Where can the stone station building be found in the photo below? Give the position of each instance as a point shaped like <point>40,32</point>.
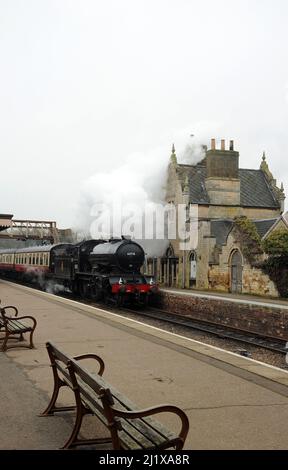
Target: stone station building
<point>222,191</point>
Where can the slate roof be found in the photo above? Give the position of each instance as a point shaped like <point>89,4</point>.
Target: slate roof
<point>5,220</point>
<point>254,188</point>
<point>221,228</point>
<point>264,225</point>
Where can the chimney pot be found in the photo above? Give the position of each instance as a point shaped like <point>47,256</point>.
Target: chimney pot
<point>213,144</point>
<point>231,145</point>
<point>223,144</point>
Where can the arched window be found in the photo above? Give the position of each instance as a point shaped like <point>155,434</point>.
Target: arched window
<point>170,252</point>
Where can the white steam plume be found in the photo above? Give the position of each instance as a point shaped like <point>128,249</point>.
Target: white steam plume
<point>139,181</point>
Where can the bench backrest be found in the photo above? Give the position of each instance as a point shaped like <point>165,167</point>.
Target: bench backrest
<point>56,355</point>
<point>59,361</point>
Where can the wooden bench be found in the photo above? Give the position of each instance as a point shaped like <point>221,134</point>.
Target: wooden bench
<point>129,428</point>
<point>13,328</point>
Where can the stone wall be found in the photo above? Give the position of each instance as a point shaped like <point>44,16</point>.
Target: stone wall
<point>223,192</point>
<point>254,280</point>
<point>253,318</point>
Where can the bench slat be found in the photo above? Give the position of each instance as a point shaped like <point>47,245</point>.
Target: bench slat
<point>16,325</point>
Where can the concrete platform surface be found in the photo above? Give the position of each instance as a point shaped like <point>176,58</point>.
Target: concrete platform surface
<point>232,402</point>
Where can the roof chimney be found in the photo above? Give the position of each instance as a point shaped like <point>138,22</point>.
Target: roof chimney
<point>224,162</point>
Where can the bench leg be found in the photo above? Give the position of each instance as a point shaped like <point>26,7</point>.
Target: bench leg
<point>31,340</point>
<point>51,408</point>
<point>72,441</point>
<point>21,337</point>
<point>4,345</point>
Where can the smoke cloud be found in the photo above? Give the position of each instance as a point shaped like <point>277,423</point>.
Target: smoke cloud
<point>138,186</point>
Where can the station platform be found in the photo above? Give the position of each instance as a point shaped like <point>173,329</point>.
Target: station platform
<point>229,297</point>
<point>232,402</point>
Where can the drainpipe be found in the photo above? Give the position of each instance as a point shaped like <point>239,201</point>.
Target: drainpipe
<point>183,270</point>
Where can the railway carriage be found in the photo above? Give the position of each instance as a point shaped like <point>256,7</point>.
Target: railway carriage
<point>29,263</point>
<point>97,269</point>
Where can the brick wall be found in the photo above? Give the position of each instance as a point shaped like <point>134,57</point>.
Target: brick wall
<point>256,319</point>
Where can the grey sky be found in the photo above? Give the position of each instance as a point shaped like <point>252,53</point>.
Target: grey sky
<point>84,84</point>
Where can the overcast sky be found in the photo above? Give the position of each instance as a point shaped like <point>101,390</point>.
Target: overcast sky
<point>84,84</point>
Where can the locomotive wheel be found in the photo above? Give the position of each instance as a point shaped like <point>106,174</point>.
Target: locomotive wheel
<point>75,288</point>
<point>96,293</point>
<point>119,300</point>
<point>84,290</point>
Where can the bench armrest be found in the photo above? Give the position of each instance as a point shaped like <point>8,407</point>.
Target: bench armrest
<point>10,307</point>
<point>92,356</point>
<point>155,410</point>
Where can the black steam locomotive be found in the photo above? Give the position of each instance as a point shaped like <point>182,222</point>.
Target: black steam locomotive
<point>97,269</point>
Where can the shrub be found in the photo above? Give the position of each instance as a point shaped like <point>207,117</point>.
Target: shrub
<point>277,243</point>
<point>248,237</point>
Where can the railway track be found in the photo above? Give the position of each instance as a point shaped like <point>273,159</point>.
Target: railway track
<point>270,343</point>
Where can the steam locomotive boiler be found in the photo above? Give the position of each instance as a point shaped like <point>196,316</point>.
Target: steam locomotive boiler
<point>116,272</point>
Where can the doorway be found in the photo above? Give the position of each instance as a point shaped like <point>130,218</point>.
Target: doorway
<point>236,272</point>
